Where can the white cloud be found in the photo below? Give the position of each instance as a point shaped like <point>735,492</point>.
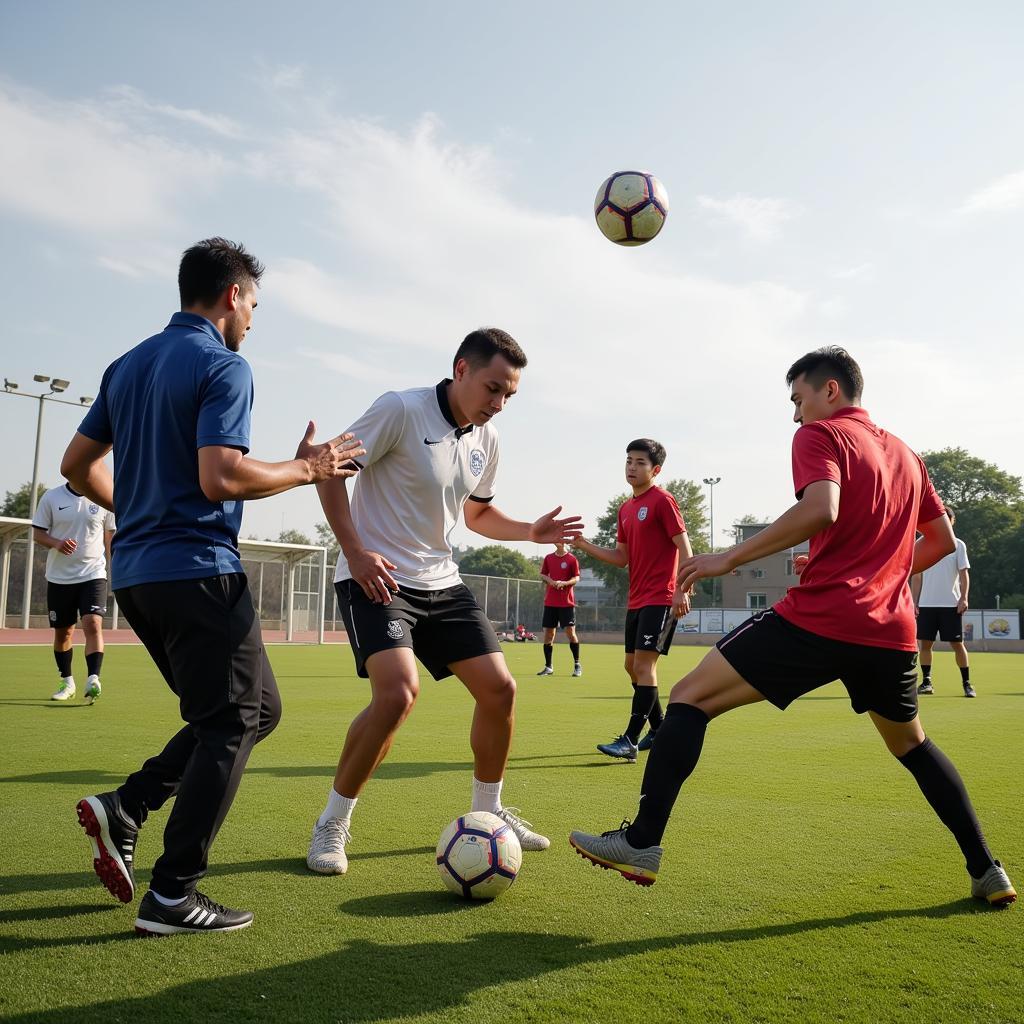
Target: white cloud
<point>760,217</point>
<point>1003,195</point>
<point>860,272</point>
<point>82,166</point>
<point>130,102</point>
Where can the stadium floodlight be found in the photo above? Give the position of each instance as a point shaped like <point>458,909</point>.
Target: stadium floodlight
<point>85,399</point>
<point>40,378</point>
<point>711,481</point>
<point>57,384</point>
<point>10,385</point>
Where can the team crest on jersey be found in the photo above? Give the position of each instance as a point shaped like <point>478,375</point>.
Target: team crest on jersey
<point>642,514</point>
<point>564,565</point>
<point>477,461</point>
<point>394,630</point>
<point>93,509</point>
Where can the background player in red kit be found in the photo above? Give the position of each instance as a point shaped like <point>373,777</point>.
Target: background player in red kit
<point>560,570</point>
<point>651,533</point>
<point>862,497</point>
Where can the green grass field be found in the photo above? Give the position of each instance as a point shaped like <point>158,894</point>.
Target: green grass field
<point>805,877</point>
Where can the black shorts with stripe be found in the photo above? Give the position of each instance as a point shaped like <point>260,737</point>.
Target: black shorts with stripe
<point>782,662</point>
<point>441,626</point>
<point>947,622</point>
<point>558,618</point>
<point>65,602</point>
<point>646,629</point>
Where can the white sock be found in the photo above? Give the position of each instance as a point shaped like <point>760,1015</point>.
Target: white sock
<point>165,901</point>
<point>486,796</point>
<point>338,806</point>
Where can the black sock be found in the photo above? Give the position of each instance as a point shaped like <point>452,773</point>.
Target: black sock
<point>643,698</point>
<point>94,662</point>
<point>656,716</point>
<point>944,790</point>
<point>965,674</point>
<point>575,648</point>
<point>63,659</point>
<point>926,672</point>
<point>669,765</point>
<point>548,651</point>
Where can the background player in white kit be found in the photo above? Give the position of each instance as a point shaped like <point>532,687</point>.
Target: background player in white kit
<point>77,532</point>
<point>431,457</point>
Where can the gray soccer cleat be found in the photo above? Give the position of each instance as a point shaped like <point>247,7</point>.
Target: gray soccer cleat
<point>529,841</point>
<point>612,850</point>
<point>327,847</point>
<point>577,671</point>
<point>926,687</point>
<point>623,747</point>
<point>994,886</point>
<point>547,670</point>
<point>969,690</point>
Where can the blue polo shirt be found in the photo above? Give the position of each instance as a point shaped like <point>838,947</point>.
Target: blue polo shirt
<point>158,404</point>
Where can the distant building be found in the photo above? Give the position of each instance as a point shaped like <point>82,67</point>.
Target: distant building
<point>762,583</point>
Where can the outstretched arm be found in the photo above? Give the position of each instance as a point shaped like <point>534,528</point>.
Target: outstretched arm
<point>619,555</point>
<point>483,518</point>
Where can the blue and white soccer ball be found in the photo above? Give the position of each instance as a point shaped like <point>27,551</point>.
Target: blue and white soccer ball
<point>478,856</point>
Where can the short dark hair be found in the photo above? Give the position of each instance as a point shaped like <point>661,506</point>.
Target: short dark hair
<point>479,347</point>
<point>652,449</point>
<point>830,363</point>
<point>212,266</point>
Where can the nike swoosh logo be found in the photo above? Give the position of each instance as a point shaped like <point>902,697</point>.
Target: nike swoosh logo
<point>60,508</point>
<point>425,441</point>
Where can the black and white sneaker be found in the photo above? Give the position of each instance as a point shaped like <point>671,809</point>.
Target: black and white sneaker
<point>196,913</point>
<point>113,835</point>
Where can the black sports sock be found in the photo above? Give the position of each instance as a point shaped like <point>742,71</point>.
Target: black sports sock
<point>94,662</point>
<point>657,716</point>
<point>944,790</point>
<point>575,648</point>
<point>669,765</point>
<point>965,674</point>
<point>548,651</point>
<point>926,672</point>
<point>643,698</point>
<point>63,659</point>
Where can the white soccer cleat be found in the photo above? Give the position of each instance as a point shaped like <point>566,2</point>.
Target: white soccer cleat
<point>529,841</point>
<point>66,690</point>
<point>547,670</point>
<point>92,689</point>
<point>327,847</point>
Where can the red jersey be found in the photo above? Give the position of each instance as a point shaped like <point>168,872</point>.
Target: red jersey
<point>854,587</point>
<point>647,525</point>
<point>560,567</point>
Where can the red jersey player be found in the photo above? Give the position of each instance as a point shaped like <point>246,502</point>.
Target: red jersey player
<point>650,535</point>
<point>560,570</point>
<point>862,498</point>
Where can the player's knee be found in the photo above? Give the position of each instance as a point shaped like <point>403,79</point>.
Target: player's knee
<point>501,694</point>
<point>395,703</point>
<point>92,626</point>
<point>62,637</point>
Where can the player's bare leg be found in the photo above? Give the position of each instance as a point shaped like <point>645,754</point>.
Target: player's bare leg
<point>711,689</point>
<point>489,681</point>
<point>394,686</point>
<point>63,638</point>
<point>944,790</point>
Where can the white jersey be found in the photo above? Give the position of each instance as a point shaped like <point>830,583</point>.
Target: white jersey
<point>62,514</point>
<point>419,471</point>
<point>940,585</point>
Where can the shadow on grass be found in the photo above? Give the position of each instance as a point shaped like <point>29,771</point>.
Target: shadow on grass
<point>54,913</point>
<point>408,904</point>
<point>381,981</point>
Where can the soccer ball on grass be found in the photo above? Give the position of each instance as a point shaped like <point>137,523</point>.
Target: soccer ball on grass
<point>478,856</point>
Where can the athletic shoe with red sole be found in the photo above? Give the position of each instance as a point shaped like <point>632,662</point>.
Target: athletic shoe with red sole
<point>611,850</point>
<point>113,835</point>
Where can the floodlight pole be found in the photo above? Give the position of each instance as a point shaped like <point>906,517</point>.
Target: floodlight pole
<point>711,481</point>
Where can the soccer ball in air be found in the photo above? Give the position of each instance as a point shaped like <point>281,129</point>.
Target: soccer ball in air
<point>478,856</point>
<point>631,207</point>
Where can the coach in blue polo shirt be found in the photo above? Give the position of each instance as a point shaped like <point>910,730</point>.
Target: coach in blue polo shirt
<point>175,410</point>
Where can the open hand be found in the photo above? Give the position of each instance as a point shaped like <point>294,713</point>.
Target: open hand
<point>332,459</point>
<point>701,567</point>
<point>549,529</point>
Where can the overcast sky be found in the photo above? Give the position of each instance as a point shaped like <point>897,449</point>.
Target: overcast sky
<point>843,173</point>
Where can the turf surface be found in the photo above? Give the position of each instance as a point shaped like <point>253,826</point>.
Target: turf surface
<point>805,877</point>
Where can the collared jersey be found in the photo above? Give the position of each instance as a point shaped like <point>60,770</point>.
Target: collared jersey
<point>158,404</point>
<point>940,585</point>
<point>854,587</point>
<point>419,471</point>
<point>647,525</point>
<point>560,567</point>
<point>65,514</point>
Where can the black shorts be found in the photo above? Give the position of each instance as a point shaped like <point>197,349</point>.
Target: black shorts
<point>782,662</point>
<point>67,601</point>
<point>947,622</point>
<point>558,618</point>
<point>441,626</point>
<point>645,629</point>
